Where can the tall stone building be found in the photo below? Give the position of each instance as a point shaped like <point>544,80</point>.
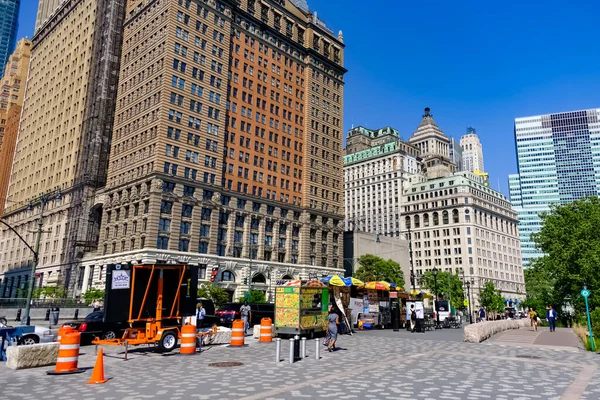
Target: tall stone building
<point>460,225</point>
<point>434,146</point>
<point>63,142</point>
<point>227,146</point>
<point>377,165</point>
<point>11,99</point>
<point>472,151</point>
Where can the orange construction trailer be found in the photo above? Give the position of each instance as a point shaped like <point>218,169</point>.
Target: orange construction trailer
<point>153,299</point>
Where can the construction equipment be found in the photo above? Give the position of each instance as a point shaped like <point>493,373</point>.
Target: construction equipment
<point>153,299</point>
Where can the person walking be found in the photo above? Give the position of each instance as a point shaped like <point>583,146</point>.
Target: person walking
<point>551,317</point>
<point>332,330</point>
<point>96,305</point>
<point>481,314</point>
<point>533,318</point>
<point>413,318</point>
<point>246,314</point>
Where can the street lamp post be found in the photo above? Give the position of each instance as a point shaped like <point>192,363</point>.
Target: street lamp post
<point>437,314</point>
<point>469,299</point>
<point>42,200</point>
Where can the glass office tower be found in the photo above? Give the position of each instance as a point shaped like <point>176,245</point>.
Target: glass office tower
<point>9,16</point>
<point>558,157</point>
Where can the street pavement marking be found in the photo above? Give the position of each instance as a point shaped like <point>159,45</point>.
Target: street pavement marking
<point>342,375</point>
<point>577,387</point>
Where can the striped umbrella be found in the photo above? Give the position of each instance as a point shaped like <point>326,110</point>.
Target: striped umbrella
<point>334,280</point>
<point>314,283</point>
<point>351,281</point>
<point>380,285</point>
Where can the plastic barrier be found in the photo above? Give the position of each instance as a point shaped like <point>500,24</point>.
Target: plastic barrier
<point>266,330</point>
<point>188,340</point>
<point>68,354</point>
<point>62,330</point>
<point>237,333</point>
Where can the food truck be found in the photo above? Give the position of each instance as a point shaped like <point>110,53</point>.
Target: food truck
<point>301,307</point>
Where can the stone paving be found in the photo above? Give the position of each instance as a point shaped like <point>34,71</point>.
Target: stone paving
<point>368,365</point>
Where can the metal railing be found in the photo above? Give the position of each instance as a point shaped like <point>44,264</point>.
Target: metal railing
<point>40,303</point>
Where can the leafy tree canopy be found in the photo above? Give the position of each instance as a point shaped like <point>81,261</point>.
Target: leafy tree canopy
<point>255,296</point>
<point>373,268</point>
<point>93,294</point>
<point>492,299</point>
<point>570,239</point>
<point>448,285</point>
<point>49,292</point>
<point>218,295</point>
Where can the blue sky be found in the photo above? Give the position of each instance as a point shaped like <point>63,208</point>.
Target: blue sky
<point>474,63</point>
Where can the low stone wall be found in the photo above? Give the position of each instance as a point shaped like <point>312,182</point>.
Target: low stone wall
<point>31,356</point>
<point>256,332</point>
<point>477,333</point>
<point>223,336</point>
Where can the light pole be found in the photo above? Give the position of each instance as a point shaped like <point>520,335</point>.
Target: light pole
<point>437,314</point>
<point>42,200</point>
<point>469,299</point>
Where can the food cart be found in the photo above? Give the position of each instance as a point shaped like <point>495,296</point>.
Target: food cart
<point>376,305</point>
<point>301,308</point>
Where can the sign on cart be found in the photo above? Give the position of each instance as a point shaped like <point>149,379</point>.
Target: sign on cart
<point>120,279</point>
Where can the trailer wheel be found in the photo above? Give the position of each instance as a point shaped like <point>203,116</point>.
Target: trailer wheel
<point>168,341</point>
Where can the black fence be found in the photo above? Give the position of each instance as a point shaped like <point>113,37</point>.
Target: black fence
<point>40,303</point>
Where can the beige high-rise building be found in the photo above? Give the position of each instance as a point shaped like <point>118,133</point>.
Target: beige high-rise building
<point>460,225</point>
<point>11,99</point>
<point>472,151</point>
<point>227,143</point>
<point>63,143</point>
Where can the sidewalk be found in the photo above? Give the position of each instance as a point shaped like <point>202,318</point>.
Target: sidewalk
<point>563,338</point>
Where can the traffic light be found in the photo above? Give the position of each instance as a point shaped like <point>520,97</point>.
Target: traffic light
<point>213,274</point>
<point>412,279</point>
<point>245,281</point>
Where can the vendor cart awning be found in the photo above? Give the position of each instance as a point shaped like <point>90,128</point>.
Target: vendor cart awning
<point>421,294</point>
<point>334,280</point>
<point>315,283</point>
<point>380,285</point>
<point>351,281</point>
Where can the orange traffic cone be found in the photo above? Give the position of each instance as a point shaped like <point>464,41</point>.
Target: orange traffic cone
<point>98,373</point>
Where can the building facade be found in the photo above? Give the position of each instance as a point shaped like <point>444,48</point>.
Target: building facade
<point>456,154</point>
<point>9,19</point>
<point>64,138</point>
<point>377,164</point>
<point>11,100</point>
<point>558,157</point>
<point>434,147</point>
<point>227,144</point>
<point>461,226</point>
<point>472,151</point>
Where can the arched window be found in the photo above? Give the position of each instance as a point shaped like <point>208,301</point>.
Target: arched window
<point>407,222</point>
<point>425,220</point>
<point>259,278</point>
<point>227,276</point>
<point>417,221</point>
<point>287,278</point>
<point>445,218</point>
<point>436,219</point>
<point>455,216</point>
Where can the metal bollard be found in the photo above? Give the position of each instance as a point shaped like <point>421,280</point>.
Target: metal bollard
<point>76,314</point>
<point>278,350</point>
<point>291,361</point>
<point>18,315</point>
<point>47,317</point>
<point>317,349</point>
<point>303,348</point>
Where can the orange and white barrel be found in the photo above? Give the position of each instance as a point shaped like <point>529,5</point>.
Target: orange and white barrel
<point>266,330</point>
<point>188,340</point>
<point>237,333</point>
<point>68,354</point>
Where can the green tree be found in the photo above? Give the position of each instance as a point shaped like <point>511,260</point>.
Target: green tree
<point>373,268</point>
<point>539,287</point>
<point>448,285</point>
<point>48,292</point>
<point>570,240</point>
<point>255,296</point>
<point>218,295</point>
<point>491,299</point>
<point>92,294</point>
